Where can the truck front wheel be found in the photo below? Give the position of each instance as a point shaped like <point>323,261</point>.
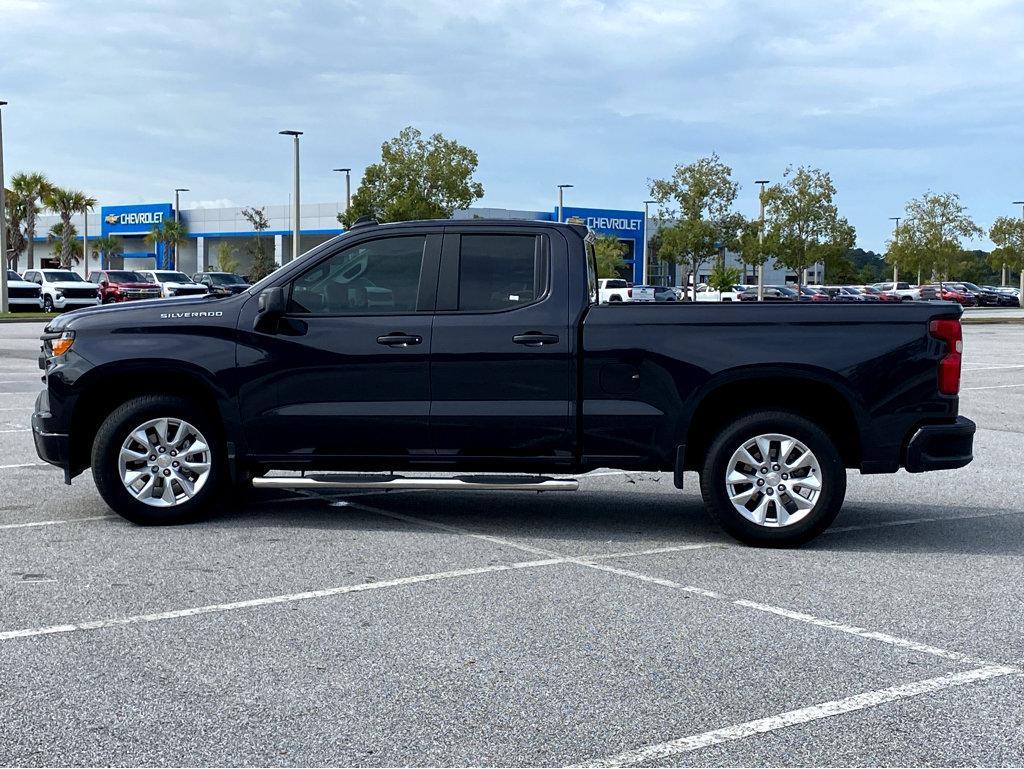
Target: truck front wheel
<point>773,479</point>
<point>157,460</point>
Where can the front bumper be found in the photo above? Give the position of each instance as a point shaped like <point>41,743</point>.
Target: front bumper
<point>51,447</point>
<point>941,446</point>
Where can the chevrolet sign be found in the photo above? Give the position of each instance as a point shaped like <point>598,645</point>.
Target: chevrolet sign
<point>135,219</point>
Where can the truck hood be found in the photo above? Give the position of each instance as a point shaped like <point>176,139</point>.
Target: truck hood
<point>62,284</point>
<point>134,285</point>
<point>130,313</point>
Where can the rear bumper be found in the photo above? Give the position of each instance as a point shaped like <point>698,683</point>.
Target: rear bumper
<point>940,447</point>
<point>52,447</point>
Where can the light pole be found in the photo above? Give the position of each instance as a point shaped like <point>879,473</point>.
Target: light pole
<point>3,224</point>
<point>760,241</point>
<point>296,230</point>
<point>561,189</point>
<point>896,240</point>
<point>348,186</point>
<point>643,272</point>
<point>177,191</point>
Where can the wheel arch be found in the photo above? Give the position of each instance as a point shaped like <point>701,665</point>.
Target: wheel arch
<point>815,394</point>
<point>104,388</point>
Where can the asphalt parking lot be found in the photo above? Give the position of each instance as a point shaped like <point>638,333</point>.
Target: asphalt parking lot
<point>614,626</point>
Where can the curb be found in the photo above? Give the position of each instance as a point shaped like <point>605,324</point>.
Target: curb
<point>967,320</point>
<point>47,319</point>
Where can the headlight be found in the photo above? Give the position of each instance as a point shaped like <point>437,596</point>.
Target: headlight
<point>58,343</point>
<point>59,294</point>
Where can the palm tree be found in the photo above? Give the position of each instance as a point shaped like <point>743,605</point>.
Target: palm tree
<point>61,233</point>
<point>15,215</point>
<point>106,248</point>
<point>66,203</point>
<point>172,234</point>
<point>31,188</point>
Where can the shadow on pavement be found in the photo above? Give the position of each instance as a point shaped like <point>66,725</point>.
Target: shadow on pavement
<point>635,521</point>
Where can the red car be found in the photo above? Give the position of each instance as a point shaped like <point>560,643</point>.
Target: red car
<point>883,296</point>
<point>123,286</point>
<point>949,294</point>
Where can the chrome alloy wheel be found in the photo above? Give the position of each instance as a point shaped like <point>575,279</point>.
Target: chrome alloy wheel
<point>164,462</point>
<point>773,480</point>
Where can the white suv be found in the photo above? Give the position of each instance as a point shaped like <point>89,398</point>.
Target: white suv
<point>63,289</point>
<point>22,294</point>
<point>172,283</point>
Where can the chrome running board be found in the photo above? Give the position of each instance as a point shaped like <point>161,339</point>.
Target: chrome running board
<point>386,482</point>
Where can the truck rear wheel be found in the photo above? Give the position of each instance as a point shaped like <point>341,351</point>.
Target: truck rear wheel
<point>773,479</point>
<point>158,460</point>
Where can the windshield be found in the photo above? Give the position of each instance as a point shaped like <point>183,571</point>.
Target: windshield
<point>615,284</point>
<point>125,276</point>
<point>226,279</point>
<point>63,275</point>
<point>787,291</point>
<point>970,287</point>
<point>172,277</point>
<point>850,290</point>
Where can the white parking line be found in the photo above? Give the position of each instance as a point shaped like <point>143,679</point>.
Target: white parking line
<point>19,430</point>
<point>54,523</point>
<point>810,619</point>
<point>217,608</point>
<point>914,521</point>
<point>817,712</point>
<point>982,367</point>
<point>991,387</point>
<point>27,464</point>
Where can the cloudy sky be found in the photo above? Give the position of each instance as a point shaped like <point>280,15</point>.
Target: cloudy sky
<point>128,100</point>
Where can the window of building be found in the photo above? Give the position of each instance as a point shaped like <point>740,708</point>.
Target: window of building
<point>498,272</point>
<point>381,276</point>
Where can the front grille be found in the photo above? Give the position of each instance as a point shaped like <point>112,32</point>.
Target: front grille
<point>186,291</point>
<point>78,293</point>
<point>23,293</point>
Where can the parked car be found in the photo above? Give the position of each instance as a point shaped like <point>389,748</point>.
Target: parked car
<point>947,293</point>
<point>847,294</point>
<point>707,294</point>
<point>240,386</point>
<point>654,294</point>
<point>1008,296</point>
<point>221,283</point>
<point>63,289</point>
<point>123,286</point>
<point>907,292</point>
<point>883,296</point>
<point>173,283</point>
<point>614,290</point>
<point>771,294</point>
<point>22,294</point>
<point>814,294</point>
<point>983,296</point>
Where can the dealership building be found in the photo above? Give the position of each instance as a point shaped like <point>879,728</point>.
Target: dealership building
<point>210,228</point>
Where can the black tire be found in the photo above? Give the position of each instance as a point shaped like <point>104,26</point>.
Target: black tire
<point>47,304</point>
<point>714,471</point>
<point>106,450</point>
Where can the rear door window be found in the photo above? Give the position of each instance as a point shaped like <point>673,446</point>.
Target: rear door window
<point>500,272</point>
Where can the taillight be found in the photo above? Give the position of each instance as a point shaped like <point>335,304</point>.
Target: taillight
<point>629,293</point>
<point>950,332</point>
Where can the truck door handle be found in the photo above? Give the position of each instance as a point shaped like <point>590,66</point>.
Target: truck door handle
<point>398,339</point>
<point>535,339</point>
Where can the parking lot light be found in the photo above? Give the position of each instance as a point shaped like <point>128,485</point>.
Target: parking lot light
<point>3,222</point>
<point>295,193</point>
<point>561,189</point>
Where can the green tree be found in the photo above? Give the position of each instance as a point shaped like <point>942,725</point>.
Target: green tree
<point>933,235</point>
<point>262,258</point>
<point>609,250</point>
<point>65,235</point>
<point>1007,232</point>
<point>66,203</point>
<point>753,249</point>
<point>105,248</point>
<point>804,220</point>
<point>226,259</point>
<point>723,278</point>
<point>697,202</point>
<point>171,234</point>
<point>32,189</point>
<point>416,179</point>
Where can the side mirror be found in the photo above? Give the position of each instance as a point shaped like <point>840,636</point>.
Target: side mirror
<point>272,303</point>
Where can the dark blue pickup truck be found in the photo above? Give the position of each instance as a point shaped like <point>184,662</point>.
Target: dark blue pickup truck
<point>479,347</point>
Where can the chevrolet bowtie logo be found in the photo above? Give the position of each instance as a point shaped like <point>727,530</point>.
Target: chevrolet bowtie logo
<point>112,218</point>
